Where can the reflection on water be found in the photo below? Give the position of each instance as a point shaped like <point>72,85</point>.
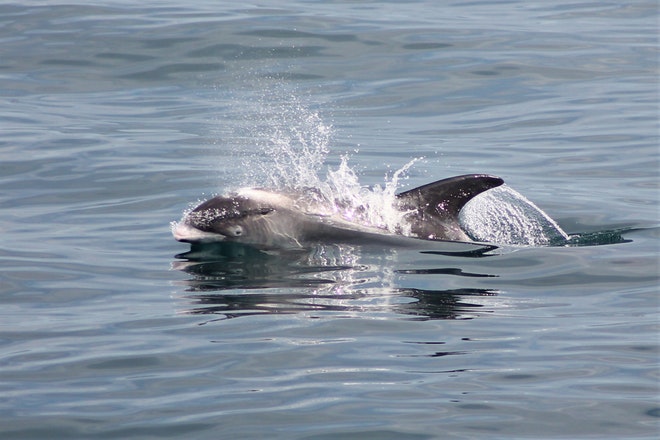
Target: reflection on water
<point>327,278</point>
<point>415,304</point>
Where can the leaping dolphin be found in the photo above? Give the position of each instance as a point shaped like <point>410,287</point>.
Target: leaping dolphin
<point>271,220</point>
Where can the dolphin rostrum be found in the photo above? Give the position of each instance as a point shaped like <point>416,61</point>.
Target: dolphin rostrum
<point>272,220</point>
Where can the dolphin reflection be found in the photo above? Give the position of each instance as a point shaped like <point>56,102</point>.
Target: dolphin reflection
<point>231,282</point>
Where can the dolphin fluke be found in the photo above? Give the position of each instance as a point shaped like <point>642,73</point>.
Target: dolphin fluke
<point>433,208</point>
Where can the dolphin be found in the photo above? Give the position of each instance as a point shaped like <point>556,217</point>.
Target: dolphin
<point>270,220</point>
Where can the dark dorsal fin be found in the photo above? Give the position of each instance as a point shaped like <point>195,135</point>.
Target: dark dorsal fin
<point>446,197</point>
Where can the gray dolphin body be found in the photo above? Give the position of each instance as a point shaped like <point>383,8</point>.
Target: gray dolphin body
<point>269,220</point>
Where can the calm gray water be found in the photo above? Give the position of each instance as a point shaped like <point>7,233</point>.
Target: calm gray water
<point>116,117</point>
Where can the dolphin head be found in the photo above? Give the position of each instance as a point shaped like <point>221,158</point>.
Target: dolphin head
<point>247,219</point>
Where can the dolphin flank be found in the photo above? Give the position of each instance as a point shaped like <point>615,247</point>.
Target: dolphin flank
<point>271,220</point>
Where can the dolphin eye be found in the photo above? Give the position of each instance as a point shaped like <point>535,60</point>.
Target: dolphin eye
<point>232,231</point>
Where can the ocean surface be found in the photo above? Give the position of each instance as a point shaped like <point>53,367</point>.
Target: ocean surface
<point>116,117</point>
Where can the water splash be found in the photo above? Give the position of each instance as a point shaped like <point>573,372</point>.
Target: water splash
<point>371,206</point>
<point>297,148</point>
<point>503,215</point>
<point>289,146</point>
<point>279,140</point>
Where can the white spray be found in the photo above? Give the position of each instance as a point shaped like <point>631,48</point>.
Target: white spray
<point>287,151</point>
<point>503,215</point>
<point>292,145</point>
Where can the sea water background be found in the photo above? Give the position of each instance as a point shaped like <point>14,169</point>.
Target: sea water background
<point>116,116</point>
